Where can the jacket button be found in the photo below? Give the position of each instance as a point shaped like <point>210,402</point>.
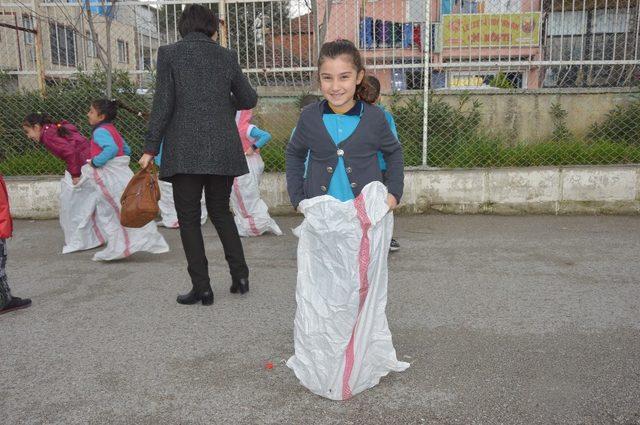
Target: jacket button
<point>354,184</point>
<point>329,170</point>
<point>340,152</point>
<point>323,188</point>
<point>349,170</point>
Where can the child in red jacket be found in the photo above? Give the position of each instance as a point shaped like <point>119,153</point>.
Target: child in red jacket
<point>7,302</point>
<point>78,197</point>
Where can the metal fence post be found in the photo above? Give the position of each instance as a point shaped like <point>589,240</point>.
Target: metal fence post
<point>425,76</point>
<point>39,57</point>
<point>222,31</point>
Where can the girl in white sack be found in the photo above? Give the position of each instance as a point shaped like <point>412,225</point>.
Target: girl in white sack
<point>341,336</point>
<point>109,172</point>
<point>250,212</point>
<point>77,195</point>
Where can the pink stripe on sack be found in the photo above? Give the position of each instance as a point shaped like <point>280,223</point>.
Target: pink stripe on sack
<point>96,230</point>
<point>243,209</point>
<point>363,263</point>
<point>114,205</point>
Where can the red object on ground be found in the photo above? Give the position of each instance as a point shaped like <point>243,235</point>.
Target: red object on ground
<point>268,365</point>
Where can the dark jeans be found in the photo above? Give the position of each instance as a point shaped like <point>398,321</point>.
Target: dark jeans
<point>5,292</point>
<point>187,192</point>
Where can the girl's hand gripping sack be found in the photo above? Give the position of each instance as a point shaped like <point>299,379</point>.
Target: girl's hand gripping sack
<point>139,201</point>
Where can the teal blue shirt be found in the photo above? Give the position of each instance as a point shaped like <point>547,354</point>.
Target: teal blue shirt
<point>261,137</point>
<point>394,130</point>
<point>109,147</point>
<point>340,127</point>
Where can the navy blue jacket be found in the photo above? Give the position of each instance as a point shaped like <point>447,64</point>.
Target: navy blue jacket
<point>359,152</point>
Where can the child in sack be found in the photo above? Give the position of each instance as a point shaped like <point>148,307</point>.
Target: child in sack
<point>341,336</point>
<point>77,198</point>
<point>250,212</point>
<point>109,172</point>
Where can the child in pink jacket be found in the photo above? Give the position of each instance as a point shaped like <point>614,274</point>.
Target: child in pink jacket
<point>77,198</point>
<point>62,139</point>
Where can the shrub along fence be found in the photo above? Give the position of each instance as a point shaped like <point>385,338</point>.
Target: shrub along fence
<point>457,137</point>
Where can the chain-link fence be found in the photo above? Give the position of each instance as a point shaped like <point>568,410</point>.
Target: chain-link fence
<point>493,82</point>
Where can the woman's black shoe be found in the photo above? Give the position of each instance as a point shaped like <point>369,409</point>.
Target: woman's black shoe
<point>193,297</point>
<point>240,285</point>
<point>16,304</point>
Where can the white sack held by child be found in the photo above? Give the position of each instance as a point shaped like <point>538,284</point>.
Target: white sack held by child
<point>110,181</point>
<point>78,215</point>
<point>341,337</point>
<point>168,207</point>
<point>250,212</point>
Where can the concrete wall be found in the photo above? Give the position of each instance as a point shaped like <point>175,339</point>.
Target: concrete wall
<point>535,190</point>
<point>523,115</point>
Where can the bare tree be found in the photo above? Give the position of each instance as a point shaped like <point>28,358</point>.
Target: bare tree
<point>103,51</point>
<point>320,29</point>
<point>104,54</point>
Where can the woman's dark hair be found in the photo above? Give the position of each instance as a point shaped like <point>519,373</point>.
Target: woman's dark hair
<point>340,47</point>
<point>197,18</point>
<point>38,118</point>
<point>109,108</point>
<point>372,92</point>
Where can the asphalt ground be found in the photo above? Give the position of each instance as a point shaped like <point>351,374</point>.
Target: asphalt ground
<point>505,320</point>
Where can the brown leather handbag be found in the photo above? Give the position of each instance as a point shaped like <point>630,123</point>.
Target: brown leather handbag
<point>139,201</point>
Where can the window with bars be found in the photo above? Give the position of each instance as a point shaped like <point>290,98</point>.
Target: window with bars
<point>480,6</point>
<point>92,48</point>
<point>123,51</point>
<point>63,45</point>
<point>27,22</point>
<point>610,21</point>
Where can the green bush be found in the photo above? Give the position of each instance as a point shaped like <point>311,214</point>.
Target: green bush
<point>494,152</point>
<point>273,155</point>
<point>501,81</point>
<point>456,137</point>
<point>448,127</point>
<point>559,119</point>
<point>30,159</point>
<point>457,140</point>
<point>621,124</point>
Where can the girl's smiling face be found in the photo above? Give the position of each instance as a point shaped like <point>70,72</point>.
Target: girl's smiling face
<point>338,80</point>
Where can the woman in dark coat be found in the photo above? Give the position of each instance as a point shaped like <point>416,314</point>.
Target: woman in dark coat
<point>199,87</point>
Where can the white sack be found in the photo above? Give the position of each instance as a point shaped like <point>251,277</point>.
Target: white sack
<point>341,337</point>
<point>110,181</point>
<point>78,214</point>
<point>250,212</point>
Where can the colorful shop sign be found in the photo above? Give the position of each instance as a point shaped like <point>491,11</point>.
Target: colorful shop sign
<point>491,30</point>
